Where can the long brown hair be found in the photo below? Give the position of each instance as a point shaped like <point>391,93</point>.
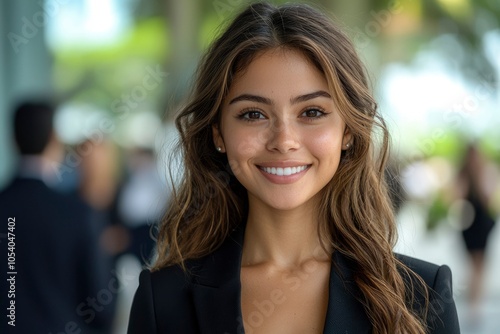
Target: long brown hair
<point>355,214</point>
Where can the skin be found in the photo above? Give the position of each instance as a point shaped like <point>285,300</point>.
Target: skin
<point>278,112</point>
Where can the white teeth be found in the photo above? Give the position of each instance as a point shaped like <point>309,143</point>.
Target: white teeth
<point>283,171</point>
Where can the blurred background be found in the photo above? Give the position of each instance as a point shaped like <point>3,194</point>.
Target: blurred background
<point>119,70</point>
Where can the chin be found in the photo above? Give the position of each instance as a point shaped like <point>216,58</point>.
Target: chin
<point>286,205</point>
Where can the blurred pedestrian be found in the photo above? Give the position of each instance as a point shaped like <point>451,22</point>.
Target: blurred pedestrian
<point>98,184</point>
<point>61,283</point>
<point>477,221</point>
<point>141,202</point>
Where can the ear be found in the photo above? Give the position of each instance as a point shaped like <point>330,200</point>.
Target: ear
<point>217,138</point>
<point>347,140</point>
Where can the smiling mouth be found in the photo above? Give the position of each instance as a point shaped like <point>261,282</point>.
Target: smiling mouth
<point>284,171</point>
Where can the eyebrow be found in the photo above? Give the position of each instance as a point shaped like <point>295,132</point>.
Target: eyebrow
<point>265,100</point>
<point>252,98</point>
<point>310,96</point>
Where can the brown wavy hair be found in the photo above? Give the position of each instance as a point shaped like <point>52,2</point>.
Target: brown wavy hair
<point>355,214</point>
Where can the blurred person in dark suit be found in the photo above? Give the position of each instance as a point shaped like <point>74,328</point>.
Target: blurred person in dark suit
<point>62,282</point>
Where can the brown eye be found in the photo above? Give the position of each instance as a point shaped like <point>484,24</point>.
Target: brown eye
<point>251,116</point>
<point>254,115</point>
<point>312,113</point>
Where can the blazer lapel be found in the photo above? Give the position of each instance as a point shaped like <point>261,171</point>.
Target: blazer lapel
<point>216,288</point>
<point>345,314</point>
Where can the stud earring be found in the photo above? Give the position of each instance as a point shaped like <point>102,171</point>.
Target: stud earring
<point>219,148</point>
<point>347,145</point>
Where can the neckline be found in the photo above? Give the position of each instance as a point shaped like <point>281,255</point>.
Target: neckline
<point>241,238</point>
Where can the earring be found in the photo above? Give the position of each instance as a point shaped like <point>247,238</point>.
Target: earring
<point>219,148</point>
<point>347,145</point>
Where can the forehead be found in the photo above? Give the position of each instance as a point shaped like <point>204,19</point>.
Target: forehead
<point>276,71</point>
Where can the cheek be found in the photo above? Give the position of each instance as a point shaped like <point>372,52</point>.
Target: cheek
<point>325,142</point>
<point>241,146</point>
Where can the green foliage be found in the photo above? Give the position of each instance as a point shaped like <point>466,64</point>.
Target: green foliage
<point>467,21</point>
<point>100,75</point>
<point>437,212</point>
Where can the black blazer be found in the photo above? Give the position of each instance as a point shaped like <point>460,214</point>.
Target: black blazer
<point>58,262</point>
<point>207,300</point>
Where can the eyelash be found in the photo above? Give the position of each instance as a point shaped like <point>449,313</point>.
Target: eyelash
<point>322,114</point>
<point>245,112</point>
<point>243,115</point>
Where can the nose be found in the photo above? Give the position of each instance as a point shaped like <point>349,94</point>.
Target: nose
<point>282,137</point>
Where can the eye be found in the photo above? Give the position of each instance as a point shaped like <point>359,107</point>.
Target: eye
<point>313,113</point>
<point>251,115</point>
<point>254,115</point>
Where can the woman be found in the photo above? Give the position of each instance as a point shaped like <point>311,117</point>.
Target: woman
<point>282,223</point>
<point>477,221</point>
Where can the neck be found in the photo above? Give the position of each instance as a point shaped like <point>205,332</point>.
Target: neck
<point>35,166</point>
<point>282,238</point>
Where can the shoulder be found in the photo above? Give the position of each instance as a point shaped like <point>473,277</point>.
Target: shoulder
<point>442,315</point>
<point>428,271</point>
<point>162,302</point>
<point>45,203</point>
<point>170,278</point>
<point>171,281</point>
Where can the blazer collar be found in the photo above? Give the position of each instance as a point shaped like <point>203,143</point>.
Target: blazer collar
<point>217,292</point>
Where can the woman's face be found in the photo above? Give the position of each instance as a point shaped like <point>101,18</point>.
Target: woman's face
<point>281,130</point>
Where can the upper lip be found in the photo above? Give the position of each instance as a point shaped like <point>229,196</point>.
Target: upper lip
<point>282,164</point>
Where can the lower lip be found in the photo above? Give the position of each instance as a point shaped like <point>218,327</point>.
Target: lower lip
<point>283,179</point>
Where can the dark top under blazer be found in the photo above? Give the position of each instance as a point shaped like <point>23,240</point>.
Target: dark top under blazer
<point>207,300</point>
